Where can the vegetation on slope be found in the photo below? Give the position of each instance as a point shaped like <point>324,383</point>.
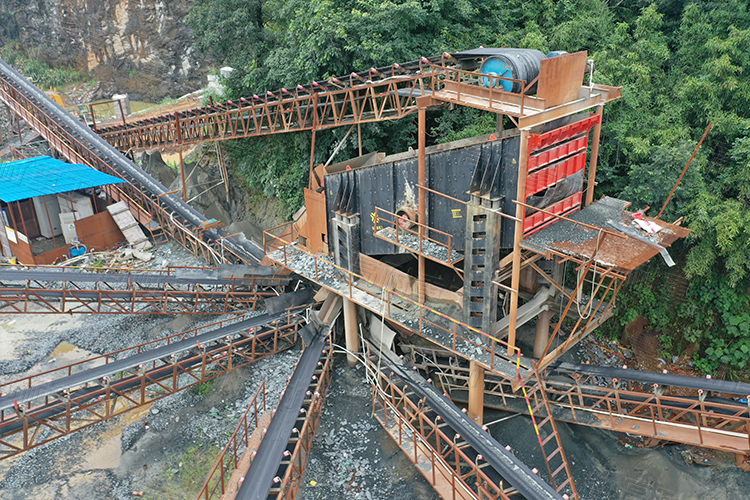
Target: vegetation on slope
<point>683,64</point>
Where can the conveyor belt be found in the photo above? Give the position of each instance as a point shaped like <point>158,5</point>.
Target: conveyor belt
<point>260,475</point>
<point>193,278</point>
<point>247,250</point>
<point>663,379</point>
<point>530,485</point>
<point>57,386</point>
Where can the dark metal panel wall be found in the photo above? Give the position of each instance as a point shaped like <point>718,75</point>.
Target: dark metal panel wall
<point>450,173</point>
<point>511,151</point>
<point>389,185</point>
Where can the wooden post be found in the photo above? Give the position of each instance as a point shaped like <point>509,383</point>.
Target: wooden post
<point>476,392</point>
<point>523,158</point>
<point>23,222</point>
<point>542,333</point>
<point>350,330</point>
<point>594,157</point>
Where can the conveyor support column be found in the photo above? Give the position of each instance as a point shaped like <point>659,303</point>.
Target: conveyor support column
<point>350,329</point>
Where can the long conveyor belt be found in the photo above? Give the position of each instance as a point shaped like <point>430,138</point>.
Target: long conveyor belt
<point>14,83</point>
<point>259,478</point>
<point>187,277</point>
<point>54,387</point>
<point>663,379</point>
<point>512,470</point>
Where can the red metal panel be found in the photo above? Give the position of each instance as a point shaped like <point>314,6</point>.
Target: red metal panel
<point>539,160</point>
<point>549,176</point>
<point>536,221</point>
<point>537,142</point>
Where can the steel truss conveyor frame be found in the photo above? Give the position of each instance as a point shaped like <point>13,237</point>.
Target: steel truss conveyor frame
<point>41,410</point>
<point>618,399</point>
<point>175,291</point>
<point>449,448</point>
<point>150,202</point>
<point>277,456</point>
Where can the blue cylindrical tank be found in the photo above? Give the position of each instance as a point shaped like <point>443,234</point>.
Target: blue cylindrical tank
<point>520,64</point>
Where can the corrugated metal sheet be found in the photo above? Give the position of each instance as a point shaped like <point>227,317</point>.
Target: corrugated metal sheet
<point>44,175</point>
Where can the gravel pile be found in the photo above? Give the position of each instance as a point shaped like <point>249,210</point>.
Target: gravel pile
<point>353,457</point>
<point>429,247</point>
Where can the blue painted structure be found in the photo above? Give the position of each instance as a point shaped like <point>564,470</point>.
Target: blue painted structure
<point>45,175</point>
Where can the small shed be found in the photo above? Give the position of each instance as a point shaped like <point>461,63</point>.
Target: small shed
<point>44,198</point>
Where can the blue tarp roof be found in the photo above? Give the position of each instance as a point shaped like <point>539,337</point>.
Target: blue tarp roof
<point>44,175</point>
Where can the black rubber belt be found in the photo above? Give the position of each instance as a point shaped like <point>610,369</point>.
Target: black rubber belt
<point>259,478</point>
<point>530,485</point>
<point>247,250</point>
<point>706,384</point>
<point>56,386</point>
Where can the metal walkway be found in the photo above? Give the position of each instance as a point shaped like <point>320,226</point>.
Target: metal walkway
<point>228,289</point>
<point>661,406</point>
<point>149,201</point>
<point>40,408</point>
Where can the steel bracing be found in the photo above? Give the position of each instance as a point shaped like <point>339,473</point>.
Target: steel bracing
<point>101,291</point>
<point>151,203</point>
<point>40,408</point>
<point>655,405</point>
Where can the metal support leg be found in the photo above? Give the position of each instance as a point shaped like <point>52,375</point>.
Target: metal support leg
<point>476,392</point>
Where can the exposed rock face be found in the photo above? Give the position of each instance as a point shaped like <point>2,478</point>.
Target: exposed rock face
<point>139,47</point>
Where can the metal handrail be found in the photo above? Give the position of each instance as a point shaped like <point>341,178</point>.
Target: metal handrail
<point>207,491</point>
<point>319,268</point>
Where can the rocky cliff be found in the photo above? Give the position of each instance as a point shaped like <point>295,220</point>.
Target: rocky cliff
<point>140,47</point>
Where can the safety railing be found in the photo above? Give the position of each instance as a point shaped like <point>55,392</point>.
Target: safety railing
<point>37,420</point>
<point>292,480</point>
<point>146,208</point>
<point>409,239</point>
<point>678,414</point>
<point>33,380</point>
<point>464,340</point>
<point>478,90</point>
<point>425,439</point>
<point>229,458</point>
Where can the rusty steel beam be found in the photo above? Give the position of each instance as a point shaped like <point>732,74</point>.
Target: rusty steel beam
<point>390,98</point>
<point>33,414</point>
<point>221,478</point>
<point>27,291</point>
<point>150,209</point>
<point>652,410</point>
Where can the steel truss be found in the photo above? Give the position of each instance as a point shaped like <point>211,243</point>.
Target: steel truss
<point>293,464</point>
<point>76,293</point>
<point>454,468</point>
<point>375,95</point>
<point>617,404</point>
<point>39,420</point>
<point>148,208</point>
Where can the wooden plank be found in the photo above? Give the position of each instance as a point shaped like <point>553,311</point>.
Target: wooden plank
<point>316,229</point>
<point>129,226</point>
<point>561,77</point>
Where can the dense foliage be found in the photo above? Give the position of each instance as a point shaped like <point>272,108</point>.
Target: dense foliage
<point>31,65</point>
<point>682,64</point>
